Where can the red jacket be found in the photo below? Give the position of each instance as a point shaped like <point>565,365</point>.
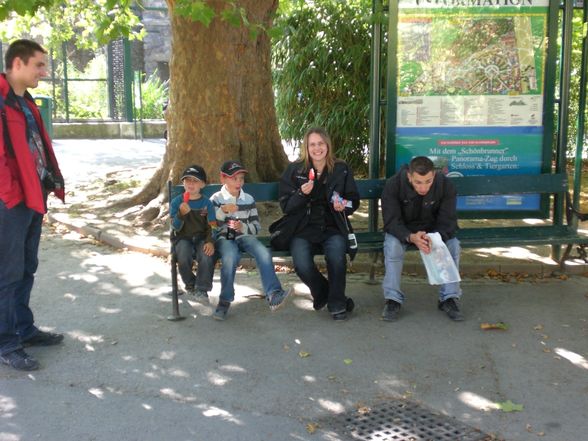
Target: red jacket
<point>18,174</point>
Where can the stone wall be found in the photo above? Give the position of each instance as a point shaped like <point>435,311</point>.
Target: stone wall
<point>157,42</point>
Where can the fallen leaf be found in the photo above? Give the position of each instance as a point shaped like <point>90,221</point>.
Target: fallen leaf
<point>363,410</point>
<point>311,427</point>
<point>540,434</point>
<point>498,325</point>
<point>538,327</point>
<point>563,277</point>
<point>546,350</point>
<point>529,428</point>
<point>303,354</point>
<point>348,361</point>
<point>509,406</point>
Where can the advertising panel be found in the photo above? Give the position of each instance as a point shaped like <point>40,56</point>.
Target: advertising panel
<point>471,90</point>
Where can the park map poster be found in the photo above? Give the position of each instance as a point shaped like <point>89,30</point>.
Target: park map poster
<point>471,90</point>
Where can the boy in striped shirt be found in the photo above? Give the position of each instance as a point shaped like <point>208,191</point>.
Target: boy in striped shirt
<point>238,224</point>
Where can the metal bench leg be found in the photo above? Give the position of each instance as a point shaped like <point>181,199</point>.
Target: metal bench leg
<point>174,277</point>
<point>564,257</point>
<point>372,279</point>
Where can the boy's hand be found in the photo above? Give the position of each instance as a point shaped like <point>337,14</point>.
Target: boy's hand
<point>184,208</point>
<point>236,225</point>
<point>421,241</point>
<point>208,248</point>
<point>229,208</point>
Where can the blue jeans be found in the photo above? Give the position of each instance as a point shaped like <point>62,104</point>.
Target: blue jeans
<point>20,234</point>
<point>230,255</point>
<point>332,290</point>
<point>186,250</point>
<point>393,260</point>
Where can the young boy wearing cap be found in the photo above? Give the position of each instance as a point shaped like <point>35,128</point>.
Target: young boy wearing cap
<point>193,219</point>
<point>238,224</point>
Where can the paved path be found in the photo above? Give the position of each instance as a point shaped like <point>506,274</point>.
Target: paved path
<point>82,160</point>
<point>125,372</point>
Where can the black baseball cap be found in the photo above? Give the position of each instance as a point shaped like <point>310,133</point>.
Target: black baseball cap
<point>194,171</point>
<point>231,168</point>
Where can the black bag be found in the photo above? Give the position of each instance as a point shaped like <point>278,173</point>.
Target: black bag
<point>283,230</point>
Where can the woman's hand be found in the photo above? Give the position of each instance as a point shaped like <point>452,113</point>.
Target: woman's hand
<point>307,187</point>
<point>339,206</point>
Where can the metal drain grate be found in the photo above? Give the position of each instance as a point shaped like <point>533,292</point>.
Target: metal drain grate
<point>405,421</point>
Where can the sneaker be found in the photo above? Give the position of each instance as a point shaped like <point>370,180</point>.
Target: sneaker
<point>451,308</point>
<point>391,310</point>
<point>221,310</point>
<point>19,360</point>
<point>340,316</point>
<point>278,298</point>
<point>43,338</point>
<point>201,296</point>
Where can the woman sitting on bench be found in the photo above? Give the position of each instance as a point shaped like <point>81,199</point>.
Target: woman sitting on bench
<point>324,188</point>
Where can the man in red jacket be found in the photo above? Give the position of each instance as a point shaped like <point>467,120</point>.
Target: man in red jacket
<point>28,173</point>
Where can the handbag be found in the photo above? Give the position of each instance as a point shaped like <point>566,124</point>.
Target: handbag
<point>285,228</point>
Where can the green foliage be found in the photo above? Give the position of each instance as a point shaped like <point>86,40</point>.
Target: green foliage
<point>153,97</point>
<point>89,23</point>
<point>576,66</point>
<point>321,67</point>
<point>87,99</point>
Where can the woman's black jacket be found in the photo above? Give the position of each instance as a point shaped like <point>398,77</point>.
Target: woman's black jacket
<point>293,201</point>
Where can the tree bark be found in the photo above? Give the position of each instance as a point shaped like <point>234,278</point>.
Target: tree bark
<point>221,100</point>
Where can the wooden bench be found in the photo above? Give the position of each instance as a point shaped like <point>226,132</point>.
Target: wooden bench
<point>555,184</point>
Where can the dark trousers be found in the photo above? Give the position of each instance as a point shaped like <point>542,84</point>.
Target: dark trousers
<point>332,289</point>
<point>20,234</point>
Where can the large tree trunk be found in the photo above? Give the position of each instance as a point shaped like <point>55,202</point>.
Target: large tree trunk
<point>221,100</point>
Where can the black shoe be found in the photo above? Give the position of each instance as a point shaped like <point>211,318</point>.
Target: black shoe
<point>391,310</point>
<point>43,338</point>
<point>318,305</point>
<point>20,360</point>
<point>451,308</point>
<point>349,305</point>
